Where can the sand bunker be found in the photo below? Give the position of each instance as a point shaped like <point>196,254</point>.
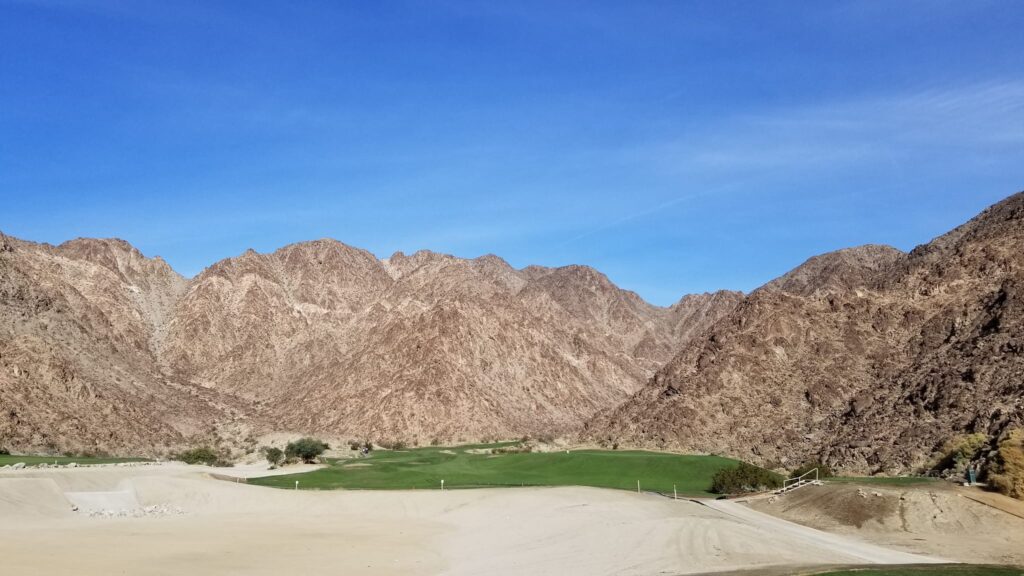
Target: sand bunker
<point>935,519</point>
<point>232,527</point>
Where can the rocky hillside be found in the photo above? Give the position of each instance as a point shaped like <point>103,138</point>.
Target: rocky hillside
<point>103,349</point>
<point>80,325</point>
<point>868,359</point>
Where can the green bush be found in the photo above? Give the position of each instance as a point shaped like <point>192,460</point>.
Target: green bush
<point>824,470</point>
<point>306,449</point>
<point>958,452</point>
<point>273,455</point>
<point>1007,473</point>
<point>743,479</point>
<point>202,455</point>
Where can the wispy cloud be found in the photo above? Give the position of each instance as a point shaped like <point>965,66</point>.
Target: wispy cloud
<point>859,132</point>
<point>725,156</point>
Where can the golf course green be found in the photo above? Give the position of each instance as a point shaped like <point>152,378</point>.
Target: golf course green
<point>472,466</point>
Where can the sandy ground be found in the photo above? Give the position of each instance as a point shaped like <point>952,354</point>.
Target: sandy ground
<point>962,525</point>
<point>233,528</point>
<point>261,469</point>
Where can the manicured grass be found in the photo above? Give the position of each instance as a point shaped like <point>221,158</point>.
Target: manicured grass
<point>932,570</point>
<point>883,480</point>
<point>36,460</point>
<point>426,467</point>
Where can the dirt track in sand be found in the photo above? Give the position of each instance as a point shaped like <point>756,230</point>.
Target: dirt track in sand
<point>229,528</point>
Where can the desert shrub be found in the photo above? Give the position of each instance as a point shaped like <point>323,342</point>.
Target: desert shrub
<point>518,449</point>
<point>958,452</point>
<point>201,455</point>
<point>824,470</point>
<point>274,455</point>
<point>306,449</point>
<point>1007,473</point>
<point>5,452</point>
<point>392,444</point>
<point>744,478</point>
<point>435,441</point>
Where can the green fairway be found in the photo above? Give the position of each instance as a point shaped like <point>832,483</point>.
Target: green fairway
<point>459,468</point>
<point>36,460</point>
<point>932,570</point>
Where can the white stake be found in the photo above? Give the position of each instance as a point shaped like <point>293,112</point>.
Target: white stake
<point>442,485</point>
<point>674,495</point>
<point>637,486</point>
<point>296,484</point>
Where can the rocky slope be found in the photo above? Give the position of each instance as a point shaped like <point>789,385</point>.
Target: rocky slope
<point>102,349</point>
<point>868,359</point>
<point>79,327</point>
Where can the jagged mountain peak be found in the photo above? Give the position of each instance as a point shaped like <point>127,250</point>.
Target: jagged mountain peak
<point>844,269</point>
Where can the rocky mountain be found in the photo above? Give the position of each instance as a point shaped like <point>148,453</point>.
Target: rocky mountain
<point>103,349</point>
<point>867,359</point>
<point>80,325</point>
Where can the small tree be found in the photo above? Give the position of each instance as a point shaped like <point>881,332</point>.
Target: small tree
<point>273,455</point>
<point>201,455</point>
<point>306,449</point>
<point>1007,474</point>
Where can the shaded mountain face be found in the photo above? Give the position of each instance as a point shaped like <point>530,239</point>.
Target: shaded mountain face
<point>867,359</point>
<point>104,349</point>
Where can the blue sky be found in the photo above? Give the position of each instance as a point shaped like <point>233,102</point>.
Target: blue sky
<point>676,146</point>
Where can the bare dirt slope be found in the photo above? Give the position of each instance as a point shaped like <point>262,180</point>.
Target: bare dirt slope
<point>937,520</point>
<point>867,359</point>
<point>226,527</point>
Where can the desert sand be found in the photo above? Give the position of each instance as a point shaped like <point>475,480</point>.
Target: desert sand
<point>960,524</point>
<point>208,526</point>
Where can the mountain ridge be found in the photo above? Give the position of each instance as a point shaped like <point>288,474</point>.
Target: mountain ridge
<point>256,339</point>
<point>869,363</point>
